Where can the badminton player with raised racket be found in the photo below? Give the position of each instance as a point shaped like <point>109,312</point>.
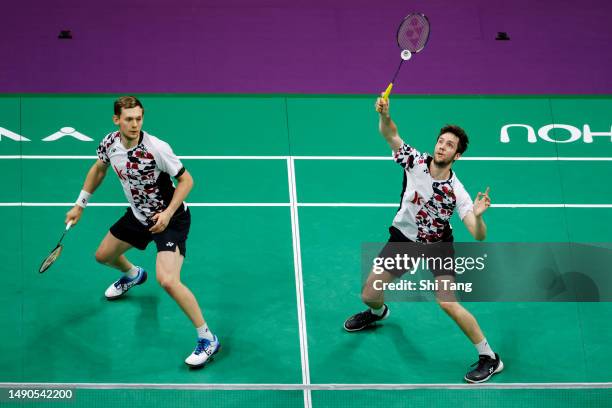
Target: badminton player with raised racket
<point>431,193</point>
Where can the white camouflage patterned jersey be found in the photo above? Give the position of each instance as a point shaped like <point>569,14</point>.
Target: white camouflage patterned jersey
<point>427,205</point>
<point>144,172</point>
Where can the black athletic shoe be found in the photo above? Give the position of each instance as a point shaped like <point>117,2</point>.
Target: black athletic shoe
<point>487,366</point>
<point>362,320</point>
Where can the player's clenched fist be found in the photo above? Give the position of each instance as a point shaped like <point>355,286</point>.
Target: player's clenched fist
<point>74,215</point>
<point>382,105</point>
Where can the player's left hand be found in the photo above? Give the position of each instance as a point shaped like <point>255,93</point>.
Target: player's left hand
<point>481,203</point>
<point>162,220</point>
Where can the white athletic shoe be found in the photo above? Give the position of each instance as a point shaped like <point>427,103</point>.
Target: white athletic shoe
<point>118,288</point>
<point>203,353</point>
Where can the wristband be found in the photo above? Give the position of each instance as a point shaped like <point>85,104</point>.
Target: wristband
<point>83,199</point>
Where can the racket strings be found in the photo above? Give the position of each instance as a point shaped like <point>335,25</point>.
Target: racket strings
<point>413,33</point>
<point>50,259</point>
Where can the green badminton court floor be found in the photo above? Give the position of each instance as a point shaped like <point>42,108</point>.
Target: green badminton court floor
<point>287,188</point>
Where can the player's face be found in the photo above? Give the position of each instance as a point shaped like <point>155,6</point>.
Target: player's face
<point>130,122</point>
<point>445,151</point>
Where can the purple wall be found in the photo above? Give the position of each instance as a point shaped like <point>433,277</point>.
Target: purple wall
<point>303,47</point>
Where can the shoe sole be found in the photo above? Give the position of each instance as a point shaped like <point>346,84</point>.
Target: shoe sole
<point>368,325</point>
<point>499,369</point>
<point>123,294</point>
<point>208,360</point>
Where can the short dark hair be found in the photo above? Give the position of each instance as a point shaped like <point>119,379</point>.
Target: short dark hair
<point>460,133</point>
<point>127,102</point>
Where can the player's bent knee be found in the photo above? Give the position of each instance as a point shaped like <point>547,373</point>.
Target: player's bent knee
<point>167,283</point>
<point>102,256</point>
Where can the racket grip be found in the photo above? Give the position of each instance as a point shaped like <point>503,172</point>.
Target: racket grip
<point>388,91</point>
<point>68,225</point>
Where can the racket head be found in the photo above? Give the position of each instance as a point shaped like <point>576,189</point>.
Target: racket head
<point>52,257</point>
<point>413,32</point>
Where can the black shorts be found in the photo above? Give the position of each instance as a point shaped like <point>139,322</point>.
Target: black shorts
<point>398,244</point>
<point>130,230</point>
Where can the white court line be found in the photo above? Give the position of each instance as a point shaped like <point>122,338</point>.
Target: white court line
<point>365,158</point>
<point>39,157</point>
<point>537,158</point>
<point>299,283</point>
<point>309,387</point>
<point>552,205</point>
<point>291,204</point>
<point>343,157</point>
<point>348,205</point>
<point>234,157</point>
<point>51,157</point>
<point>238,204</point>
<point>126,204</point>
<point>395,205</point>
<point>468,158</point>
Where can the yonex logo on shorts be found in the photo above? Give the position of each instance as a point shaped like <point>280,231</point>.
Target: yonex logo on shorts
<point>169,244</point>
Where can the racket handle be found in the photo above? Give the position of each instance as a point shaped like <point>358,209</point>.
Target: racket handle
<point>388,91</point>
<point>68,225</point>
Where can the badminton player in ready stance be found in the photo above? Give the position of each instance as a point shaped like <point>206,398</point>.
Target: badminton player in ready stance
<point>431,193</point>
<point>145,165</point>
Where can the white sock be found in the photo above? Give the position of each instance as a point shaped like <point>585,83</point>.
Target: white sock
<point>484,348</point>
<point>378,312</point>
<point>132,272</point>
<point>204,333</point>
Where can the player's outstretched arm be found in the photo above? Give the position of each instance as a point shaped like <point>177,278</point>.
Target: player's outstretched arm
<point>473,220</point>
<point>94,178</point>
<point>386,126</point>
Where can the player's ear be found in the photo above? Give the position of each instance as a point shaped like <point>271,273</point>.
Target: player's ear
<point>115,119</point>
<point>457,156</point>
